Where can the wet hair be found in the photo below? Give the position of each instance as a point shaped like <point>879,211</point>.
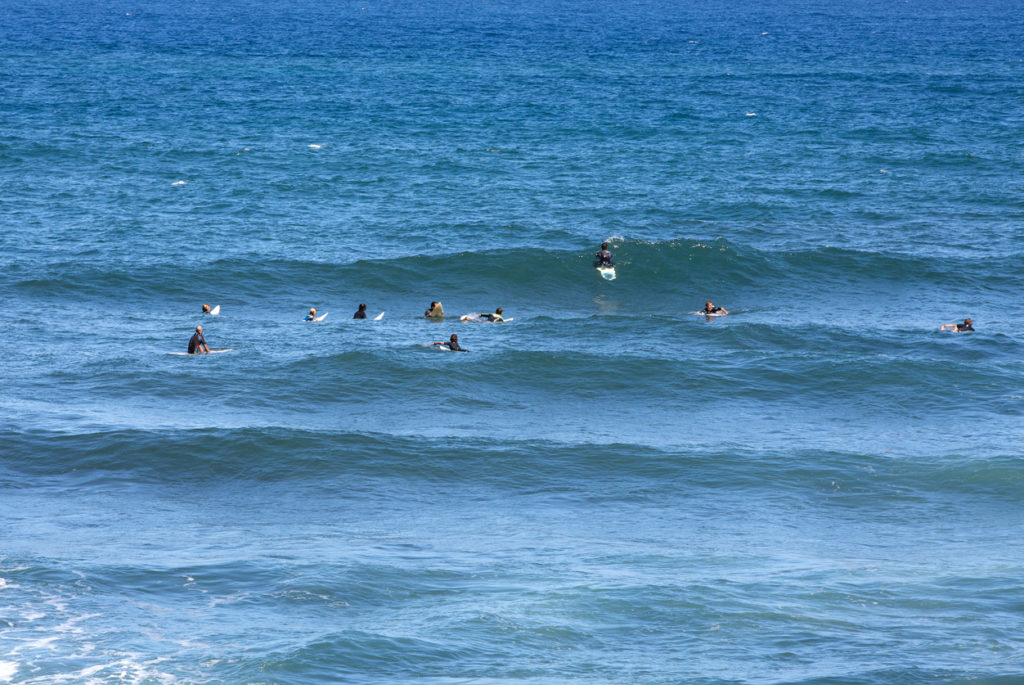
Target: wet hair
<point>604,246</point>
<point>498,310</point>
<point>362,307</point>
<point>454,337</point>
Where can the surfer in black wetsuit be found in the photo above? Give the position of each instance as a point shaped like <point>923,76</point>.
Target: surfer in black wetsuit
<point>361,314</point>
<point>197,343</point>
<point>712,309</point>
<point>967,325</point>
<point>604,257</point>
<point>452,344</point>
<point>496,317</point>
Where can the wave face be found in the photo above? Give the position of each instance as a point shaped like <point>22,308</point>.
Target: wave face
<point>820,487</point>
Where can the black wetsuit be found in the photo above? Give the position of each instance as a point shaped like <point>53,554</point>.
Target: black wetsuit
<point>961,327</point>
<point>195,341</point>
<point>454,346</point>
<point>713,310</point>
<point>604,258</point>
<point>359,315</point>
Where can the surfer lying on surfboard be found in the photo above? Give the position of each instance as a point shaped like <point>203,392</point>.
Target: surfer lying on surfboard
<point>967,325</point>
<point>712,310</point>
<point>452,344</point>
<point>496,317</point>
<point>197,343</point>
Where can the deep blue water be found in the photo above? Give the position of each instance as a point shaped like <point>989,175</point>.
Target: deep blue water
<point>820,488</point>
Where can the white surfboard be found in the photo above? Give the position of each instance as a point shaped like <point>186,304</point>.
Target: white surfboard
<point>215,311</point>
<point>712,314</point>
<point>200,354</point>
<point>321,317</point>
<point>379,317</point>
<point>473,318</point>
<point>607,272</point>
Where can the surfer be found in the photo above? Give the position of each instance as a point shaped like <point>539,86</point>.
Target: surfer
<point>496,317</point>
<point>452,344</point>
<point>206,309</point>
<point>197,343</point>
<point>604,257</point>
<point>361,314</point>
<point>967,325</point>
<point>710,309</point>
<point>312,314</point>
<point>436,311</point>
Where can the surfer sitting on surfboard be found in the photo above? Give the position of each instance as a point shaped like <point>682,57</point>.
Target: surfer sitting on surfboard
<point>967,325</point>
<point>197,343</point>
<point>206,309</point>
<point>604,257</point>
<point>712,309</point>
<point>361,314</point>
<point>312,314</point>
<point>452,344</point>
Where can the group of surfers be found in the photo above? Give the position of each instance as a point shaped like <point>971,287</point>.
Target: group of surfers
<point>197,343</point>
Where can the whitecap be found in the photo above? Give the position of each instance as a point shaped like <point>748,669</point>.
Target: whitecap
<point>180,183</point>
<point>7,670</point>
<point>751,114</point>
<point>314,146</point>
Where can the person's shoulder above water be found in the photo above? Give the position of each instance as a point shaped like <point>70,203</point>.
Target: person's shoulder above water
<point>361,314</point>
<point>435,311</point>
<point>604,257</point>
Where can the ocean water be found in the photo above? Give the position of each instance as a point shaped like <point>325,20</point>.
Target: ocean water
<point>820,488</point>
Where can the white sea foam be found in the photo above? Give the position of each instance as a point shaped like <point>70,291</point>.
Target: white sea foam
<point>7,670</point>
<point>180,183</point>
<point>314,146</point>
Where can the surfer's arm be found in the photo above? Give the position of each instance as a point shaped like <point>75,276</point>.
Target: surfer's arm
<point>947,325</point>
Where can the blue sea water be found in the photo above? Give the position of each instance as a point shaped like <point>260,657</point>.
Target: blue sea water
<point>820,488</point>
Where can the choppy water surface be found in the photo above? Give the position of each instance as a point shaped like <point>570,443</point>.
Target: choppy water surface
<point>818,488</point>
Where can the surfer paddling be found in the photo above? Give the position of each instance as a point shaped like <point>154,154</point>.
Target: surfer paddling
<point>452,344</point>
<point>496,317</point>
<point>967,325</point>
<point>710,309</point>
<point>604,258</point>
<point>197,343</point>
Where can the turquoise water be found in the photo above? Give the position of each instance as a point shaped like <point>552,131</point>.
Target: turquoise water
<point>819,488</point>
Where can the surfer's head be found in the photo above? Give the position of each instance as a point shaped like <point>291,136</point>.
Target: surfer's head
<point>362,307</point>
<point>498,310</point>
<point>455,337</point>
<point>312,311</point>
<point>199,329</point>
<point>969,322</point>
<point>604,246</point>
<point>206,308</point>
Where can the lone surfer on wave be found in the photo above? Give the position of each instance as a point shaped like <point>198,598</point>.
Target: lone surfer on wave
<point>604,257</point>
<point>197,343</point>
<point>710,309</point>
<point>967,325</point>
<point>452,344</point>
